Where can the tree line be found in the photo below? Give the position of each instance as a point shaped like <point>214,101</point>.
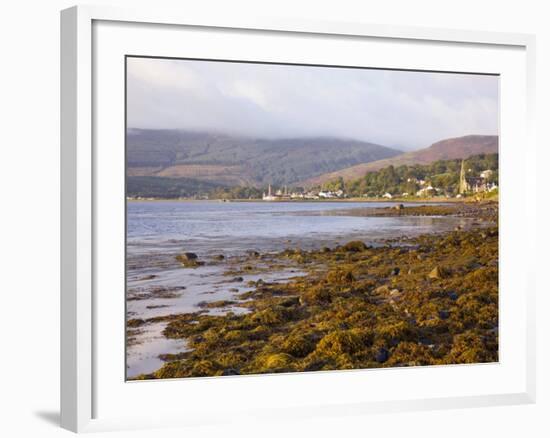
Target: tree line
<point>396,180</point>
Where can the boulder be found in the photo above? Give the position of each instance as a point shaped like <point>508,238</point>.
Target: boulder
<point>354,246</point>
<point>382,355</point>
<point>189,259</point>
<point>230,372</point>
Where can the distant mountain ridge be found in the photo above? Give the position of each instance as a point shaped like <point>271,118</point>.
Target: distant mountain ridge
<point>233,160</point>
<point>452,148</point>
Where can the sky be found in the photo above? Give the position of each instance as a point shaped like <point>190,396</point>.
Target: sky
<point>403,109</point>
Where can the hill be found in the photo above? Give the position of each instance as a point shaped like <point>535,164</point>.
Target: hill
<point>449,149</point>
<point>237,161</point>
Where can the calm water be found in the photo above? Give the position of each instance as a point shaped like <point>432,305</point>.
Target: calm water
<point>207,226</point>
<point>157,231</point>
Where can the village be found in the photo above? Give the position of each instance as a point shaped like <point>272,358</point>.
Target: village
<point>285,195</point>
<point>467,185</point>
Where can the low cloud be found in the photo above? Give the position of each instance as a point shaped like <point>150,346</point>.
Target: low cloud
<point>394,108</point>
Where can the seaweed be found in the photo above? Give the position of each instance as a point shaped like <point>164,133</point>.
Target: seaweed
<point>429,300</point>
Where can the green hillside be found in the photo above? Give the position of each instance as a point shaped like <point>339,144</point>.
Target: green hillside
<point>231,160</point>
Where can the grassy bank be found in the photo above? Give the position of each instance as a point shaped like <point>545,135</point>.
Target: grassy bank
<point>430,300</point>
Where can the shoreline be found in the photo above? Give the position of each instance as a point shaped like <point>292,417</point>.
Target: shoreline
<point>332,200</point>
<point>397,310</point>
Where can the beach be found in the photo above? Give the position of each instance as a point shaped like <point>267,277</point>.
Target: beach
<point>240,288</point>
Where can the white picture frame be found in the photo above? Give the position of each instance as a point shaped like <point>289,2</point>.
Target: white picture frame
<point>80,168</point>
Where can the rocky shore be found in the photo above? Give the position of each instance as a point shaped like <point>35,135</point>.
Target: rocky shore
<point>428,300</point>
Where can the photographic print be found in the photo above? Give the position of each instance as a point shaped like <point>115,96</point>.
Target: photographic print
<point>298,218</point>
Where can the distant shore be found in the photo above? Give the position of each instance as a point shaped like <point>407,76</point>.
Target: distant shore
<point>343,200</point>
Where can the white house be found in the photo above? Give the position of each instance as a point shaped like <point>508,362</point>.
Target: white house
<point>425,191</point>
<point>486,174</point>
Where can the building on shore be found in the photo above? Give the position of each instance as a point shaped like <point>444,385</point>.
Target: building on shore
<point>475,184</point>
<point>270,196</point>
<point>284,194</point>
<point>279,195</point>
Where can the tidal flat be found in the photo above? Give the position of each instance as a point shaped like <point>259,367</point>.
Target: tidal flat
<point>426,295</point>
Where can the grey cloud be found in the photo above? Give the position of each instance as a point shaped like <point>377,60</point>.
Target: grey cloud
<point>407,109</point>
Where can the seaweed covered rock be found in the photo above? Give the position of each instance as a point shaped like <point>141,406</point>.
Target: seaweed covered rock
<point>299,344</point>
<point>340,276</point>
<point>277,361</point>
<point>437,273</point>
<point>352,309</point>
<point>340,342</point>
<point>189,259</point>
<point>272,315</point>
<point>354,246</point>
<point>319,294</point>
<point>132,323</point>
<point>469,347</point>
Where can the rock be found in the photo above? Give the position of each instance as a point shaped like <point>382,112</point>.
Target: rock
<point>278,360</point>
<point>187,256</point>
<point>325,249</point>
<point>219,257</point>
<point>147,277</point>
<point>444,314</point>
<point>290,302</point>
<point>453,296</point>
<point>189,259</point>
<point>382,290</point>
<point>436,273</point>
<point>395,292</point>
<point>138,322</point>
<point>395,271</point>
<point>230,372</point>
<point>399,207</point>
<point>237,279</point>
<point>382,355</point>
<point>354,246</point>
<point>253,253</point>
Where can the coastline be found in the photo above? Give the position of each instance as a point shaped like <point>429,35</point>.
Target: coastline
<point>430,299</point>
<point>395,200</point>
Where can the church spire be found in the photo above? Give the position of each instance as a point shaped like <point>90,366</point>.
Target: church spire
<point>462,185</point>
